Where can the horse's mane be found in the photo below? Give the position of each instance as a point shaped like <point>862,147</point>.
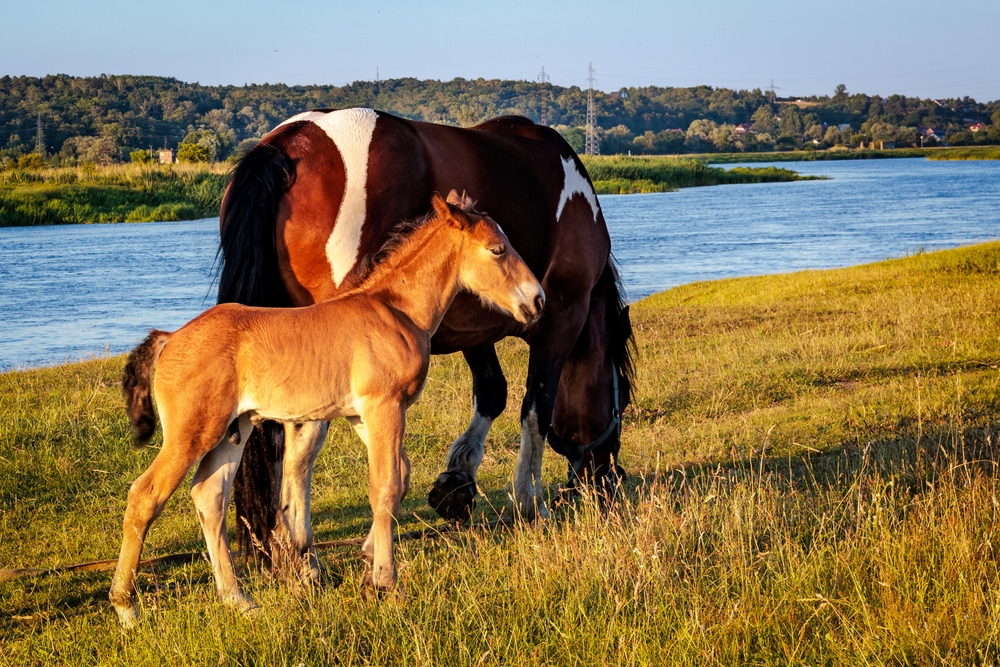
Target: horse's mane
<point>400,236</point>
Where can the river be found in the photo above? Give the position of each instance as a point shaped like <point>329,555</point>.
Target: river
<point>76,291</point>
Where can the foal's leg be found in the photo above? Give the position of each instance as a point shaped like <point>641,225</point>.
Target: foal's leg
<point>381,426</point>
<point>453,494</point>
<point>293,530</point>
<point>146,499</point>
<point>210,491</point>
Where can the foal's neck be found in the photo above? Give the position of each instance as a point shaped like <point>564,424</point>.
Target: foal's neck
<point>421,277</point>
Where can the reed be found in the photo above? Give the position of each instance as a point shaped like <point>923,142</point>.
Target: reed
<point>814,480</point>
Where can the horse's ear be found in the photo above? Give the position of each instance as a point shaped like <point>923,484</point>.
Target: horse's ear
<point>440,206</point>
<point>455,200</point>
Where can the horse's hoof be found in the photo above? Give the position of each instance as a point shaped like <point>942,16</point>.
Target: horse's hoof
<point>453,496</point>
<point>372,593</point>
<point>241,603</point>
<point>533,509</point>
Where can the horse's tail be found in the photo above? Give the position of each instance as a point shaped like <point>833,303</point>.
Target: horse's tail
<point>621,341</point>
<point>250,275</point>
<point>248,224</point>
<point>137,385</point>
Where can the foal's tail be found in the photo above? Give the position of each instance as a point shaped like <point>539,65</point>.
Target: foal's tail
<point>136,385</point>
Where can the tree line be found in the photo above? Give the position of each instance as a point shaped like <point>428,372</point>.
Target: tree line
<point>65,120</point>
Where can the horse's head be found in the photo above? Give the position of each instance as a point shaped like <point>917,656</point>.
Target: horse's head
<point>489,267</point>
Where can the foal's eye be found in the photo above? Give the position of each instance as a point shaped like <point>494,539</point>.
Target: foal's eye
<point>498,250</point>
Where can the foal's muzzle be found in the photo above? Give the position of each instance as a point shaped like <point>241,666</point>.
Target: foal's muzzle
<point>531,305</point>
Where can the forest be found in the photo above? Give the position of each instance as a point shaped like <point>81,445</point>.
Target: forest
<point>61,120</point>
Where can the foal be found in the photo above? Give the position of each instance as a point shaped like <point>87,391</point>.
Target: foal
<point>362,355</point>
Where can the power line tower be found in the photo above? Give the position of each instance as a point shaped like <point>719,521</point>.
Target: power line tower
<point>543,79</point>
<point>592,145</point>
<point>772,97</point>
<point>40,137</point>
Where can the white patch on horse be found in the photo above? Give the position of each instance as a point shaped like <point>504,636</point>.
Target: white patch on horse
<point>529,499</point>
<point>575,183</point>
<point>466,452</point>
<point>351,130</point>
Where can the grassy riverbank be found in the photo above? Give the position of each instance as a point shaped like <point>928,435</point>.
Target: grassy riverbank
<point>938,153</point>
<point>613,175</point>
<point>121,193</point>
<point>814,481</point>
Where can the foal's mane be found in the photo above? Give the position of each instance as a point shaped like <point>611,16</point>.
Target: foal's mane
<point>400,237</point>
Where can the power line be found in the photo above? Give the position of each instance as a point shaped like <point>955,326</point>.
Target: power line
<point>592,145</point>
<point>543,79</point>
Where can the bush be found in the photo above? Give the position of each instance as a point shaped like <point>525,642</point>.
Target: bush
<point>32,161</point>
<point>193,153</point>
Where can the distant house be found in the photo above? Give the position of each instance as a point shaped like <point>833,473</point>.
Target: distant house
<point>975,127</point>
<point>844,126</point>
<point>743,128</point>
<point>167,156</point>
<point>935,133</point>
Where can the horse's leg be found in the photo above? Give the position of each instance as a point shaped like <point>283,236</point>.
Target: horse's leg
<point>549,350</point>
<point>210,491</point>
<point>381,426</point>
<point>146,499</point>
<point>453,494</point>
<point>292,543</point>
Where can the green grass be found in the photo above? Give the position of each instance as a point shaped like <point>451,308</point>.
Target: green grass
<point>974,153</point>
<point>630,175</point>
<point>123,193</point>
<point>814,481</point>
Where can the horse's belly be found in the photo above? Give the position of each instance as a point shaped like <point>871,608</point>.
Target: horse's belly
<point>468,324</point>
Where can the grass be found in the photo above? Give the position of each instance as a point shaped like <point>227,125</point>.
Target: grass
<point>814,481</point>
<point>936,153</point>
<point>630,175</point>
<point>976,153</point>
<point>121,193</point>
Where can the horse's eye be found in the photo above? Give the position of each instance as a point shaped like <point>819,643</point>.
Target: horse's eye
<point>498,250</point>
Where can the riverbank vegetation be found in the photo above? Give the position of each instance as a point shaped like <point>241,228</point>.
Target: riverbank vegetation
<point>115,193</point>
<point>814,480</point>
<point>629,175</point>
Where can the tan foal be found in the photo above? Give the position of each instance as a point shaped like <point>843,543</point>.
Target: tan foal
<point>362,355</point>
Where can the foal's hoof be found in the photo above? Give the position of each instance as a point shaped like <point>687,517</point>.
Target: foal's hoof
<point>128,616</point>
<point>453,496</point>
<point>372,593</point>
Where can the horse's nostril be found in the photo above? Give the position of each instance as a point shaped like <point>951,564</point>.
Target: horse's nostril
<point>539,303</point>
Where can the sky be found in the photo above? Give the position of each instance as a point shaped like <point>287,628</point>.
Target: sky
<point>913,47</point>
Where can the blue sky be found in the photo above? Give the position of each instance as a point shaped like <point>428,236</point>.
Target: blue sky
<point>878,47</point>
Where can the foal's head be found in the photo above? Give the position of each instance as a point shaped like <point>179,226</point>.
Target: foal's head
<point>489,266</point>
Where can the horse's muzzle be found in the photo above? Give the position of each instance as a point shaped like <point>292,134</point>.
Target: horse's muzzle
<point>531,309</point>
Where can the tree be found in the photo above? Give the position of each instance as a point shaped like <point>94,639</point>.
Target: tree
<point>764,120</point>
<point>193,152</point>
<point>832,136</point>
<point>141,157</point>
<point>840,91</point>
<point>31,162</point>
<point>907,136</point>
<point>790,125</point>
<point>698,136</point>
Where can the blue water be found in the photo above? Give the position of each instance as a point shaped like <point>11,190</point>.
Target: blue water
<point>73,292</point>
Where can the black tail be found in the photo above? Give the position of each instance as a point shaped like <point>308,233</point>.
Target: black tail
<point>621,342</point>
<point>250,275</point>
<point>248,249</point>
<point>136,385</point>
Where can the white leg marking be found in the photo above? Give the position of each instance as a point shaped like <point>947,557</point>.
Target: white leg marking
<point>529,500</point>
<point>466,452</point>
<point>351,130</point>
<point>210,490</point>
<point>575,183</point>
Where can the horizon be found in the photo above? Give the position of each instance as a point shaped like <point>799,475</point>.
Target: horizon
<point>883,48</point>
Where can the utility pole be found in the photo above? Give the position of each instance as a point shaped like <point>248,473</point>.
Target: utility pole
<point>40,137</point>
<point>543,79</point>
<point>592,145</point>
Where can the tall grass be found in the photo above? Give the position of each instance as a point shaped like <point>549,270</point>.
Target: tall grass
<point>129,193</point>
<point>971,153</point>
<point>814,481</point>
<point>628,175</point>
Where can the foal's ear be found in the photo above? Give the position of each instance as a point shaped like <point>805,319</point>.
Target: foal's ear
<point>455,200</point>
<point>440,206</point>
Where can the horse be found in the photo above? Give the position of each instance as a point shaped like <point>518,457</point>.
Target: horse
<point>309,204</point>
<point>362,355</point>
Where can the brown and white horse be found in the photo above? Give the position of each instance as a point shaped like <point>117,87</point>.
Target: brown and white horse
<point>362,355</point>
<point>318,196</point>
